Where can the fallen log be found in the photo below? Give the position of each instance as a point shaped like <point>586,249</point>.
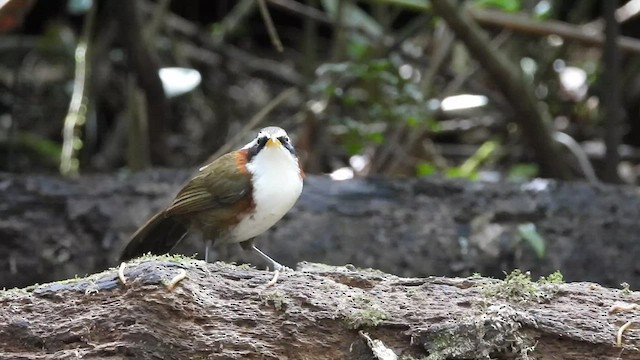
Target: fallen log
<point>53,228</point>
<point>180,308</point>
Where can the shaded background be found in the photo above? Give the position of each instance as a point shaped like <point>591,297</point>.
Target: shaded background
<point>384,88</point>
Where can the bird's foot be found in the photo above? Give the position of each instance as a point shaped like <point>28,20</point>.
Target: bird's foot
<point>281,268</point>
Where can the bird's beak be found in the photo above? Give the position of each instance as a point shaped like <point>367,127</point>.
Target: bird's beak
<point>273,143</point>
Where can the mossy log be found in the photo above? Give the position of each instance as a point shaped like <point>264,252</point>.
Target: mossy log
<point>221,311</point>
<point>53,228</point>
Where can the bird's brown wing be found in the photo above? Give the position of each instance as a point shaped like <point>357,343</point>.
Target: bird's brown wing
<point>222,183</point>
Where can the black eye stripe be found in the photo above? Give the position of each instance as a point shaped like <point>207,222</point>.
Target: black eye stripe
<point>262,141</point>
<point>287,145</point>
<point>255,149</point>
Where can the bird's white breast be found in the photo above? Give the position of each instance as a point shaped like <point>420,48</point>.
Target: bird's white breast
<point>277,184</point>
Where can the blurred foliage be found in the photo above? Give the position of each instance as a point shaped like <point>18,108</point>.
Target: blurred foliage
<point>505,5</point>
<point>522,172</point>
<point>48,149</point>
<point>383,70</point>
<point>425,169</point>
<point>368,95</point>
<point>531,235</point>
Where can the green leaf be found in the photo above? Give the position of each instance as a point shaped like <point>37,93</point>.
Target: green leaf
<point>357,50</point>
<point>43,147</point>
<point>412,121</point>
<point>522,172</point>
<point>377,137</point>
<point>424,168</point>
<point>459,172</point>
<point>506,5</point>
<point>469,168</point>
<point>534,239</point>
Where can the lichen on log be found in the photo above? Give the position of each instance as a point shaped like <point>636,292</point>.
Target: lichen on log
<point>317,312</point>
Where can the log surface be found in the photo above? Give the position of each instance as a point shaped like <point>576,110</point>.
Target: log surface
<point>53,229</point>
<point>221,311</point>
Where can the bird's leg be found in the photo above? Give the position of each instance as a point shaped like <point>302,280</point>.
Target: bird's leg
<point>276,265</point>
<point>207,245</point>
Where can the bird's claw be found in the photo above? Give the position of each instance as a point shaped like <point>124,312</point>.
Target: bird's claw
<point>281,268</point>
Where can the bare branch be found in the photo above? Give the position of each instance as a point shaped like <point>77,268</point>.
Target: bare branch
<point>532,119</point>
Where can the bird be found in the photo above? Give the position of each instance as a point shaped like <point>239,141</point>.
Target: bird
<point>232,199</point>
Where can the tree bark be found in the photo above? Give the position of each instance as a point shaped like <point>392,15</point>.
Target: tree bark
<point>142,61</point>
<point>221,311</point>
<point>612,114</point>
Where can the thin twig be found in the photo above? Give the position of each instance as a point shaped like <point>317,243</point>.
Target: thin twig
<point>621,331</point>
<point>138,142</point>
<point>78,107</point>
<point>234,20</point>
<point>268,22</point>
<point>580,155</point>
<point>274,279</point>
<point>622,307</point>
<point>210,50</point>
<point>587,35</point>
<point>121,276</point>
<point>308,12</point>
<point>157,19</point>
<point>379,349</point>
<point>182,274</point>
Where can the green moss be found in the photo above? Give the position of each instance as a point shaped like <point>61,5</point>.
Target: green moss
<point>519,288</point>
<point>177,258</point>
<point>411,357</point>
<point>23,291</point>
<point>277,298</point>
<point>496,329</point>
<point>553,278</point>
<point>626,288</point>
<point>449,345</point>
<point>441,347</point>
<point>92,288</point>
<point>11,293</point>
<point>370,317</point>
<point>362,310</point>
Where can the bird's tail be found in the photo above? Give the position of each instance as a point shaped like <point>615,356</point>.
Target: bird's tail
<point>158,236</point>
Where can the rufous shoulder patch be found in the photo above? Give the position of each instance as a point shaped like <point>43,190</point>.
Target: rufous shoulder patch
<point>241,160</point>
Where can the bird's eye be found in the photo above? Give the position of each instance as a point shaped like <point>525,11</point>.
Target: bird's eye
<point>262,140</point>
<point>284,139</point>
